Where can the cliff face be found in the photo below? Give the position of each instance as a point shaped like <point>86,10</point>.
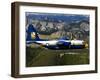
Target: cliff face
<point>75,30</point>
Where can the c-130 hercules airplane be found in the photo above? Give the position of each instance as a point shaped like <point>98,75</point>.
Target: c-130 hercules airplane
<point>62,43</point>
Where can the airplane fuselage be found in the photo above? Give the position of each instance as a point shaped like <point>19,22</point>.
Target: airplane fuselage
<point>61,44</point>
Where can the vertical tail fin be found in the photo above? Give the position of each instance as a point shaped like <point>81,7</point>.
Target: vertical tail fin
<point>31,33</point>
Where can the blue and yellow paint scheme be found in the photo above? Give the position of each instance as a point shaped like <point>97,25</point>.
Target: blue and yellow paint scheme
<point>62,43</point>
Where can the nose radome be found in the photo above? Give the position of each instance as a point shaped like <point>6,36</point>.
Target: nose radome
<point>85,44</point>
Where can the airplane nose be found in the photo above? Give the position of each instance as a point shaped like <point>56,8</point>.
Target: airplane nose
<point>85,44</point>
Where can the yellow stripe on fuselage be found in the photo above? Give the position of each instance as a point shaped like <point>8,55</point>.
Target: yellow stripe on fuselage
<point>33,35</point>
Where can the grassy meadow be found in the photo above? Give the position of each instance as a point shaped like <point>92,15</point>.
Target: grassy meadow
<point>46,57</point>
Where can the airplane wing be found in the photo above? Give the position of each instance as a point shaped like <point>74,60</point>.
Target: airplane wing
<point>63,43</point>
<point>30,42</point>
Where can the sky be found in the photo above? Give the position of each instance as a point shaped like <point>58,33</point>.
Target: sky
<point>56,17</point>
